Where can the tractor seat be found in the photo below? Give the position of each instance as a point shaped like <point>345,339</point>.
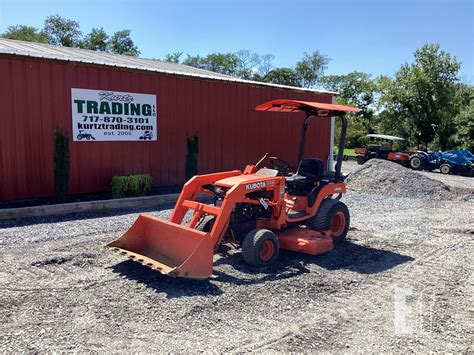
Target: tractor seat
<point>310,171</point>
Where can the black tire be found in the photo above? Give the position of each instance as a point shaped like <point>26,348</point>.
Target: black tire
<point>331,212</point>
<point>361,159</point>
<point>79,137</point>
<point>416,162</point>
<point>446,168</point>
<point>206,223</point>
<point>254,244</point>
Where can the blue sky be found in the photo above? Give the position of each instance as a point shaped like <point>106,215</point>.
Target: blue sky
<point>367,35</point>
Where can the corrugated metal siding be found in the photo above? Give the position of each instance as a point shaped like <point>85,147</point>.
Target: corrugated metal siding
<point>36,98</point>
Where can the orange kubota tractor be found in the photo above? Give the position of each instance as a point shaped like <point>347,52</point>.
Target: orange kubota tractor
<point>259,209</point>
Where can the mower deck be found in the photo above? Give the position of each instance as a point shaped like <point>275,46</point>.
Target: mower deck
<point>305,240</point>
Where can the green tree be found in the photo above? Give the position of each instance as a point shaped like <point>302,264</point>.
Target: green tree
<point>465,119</point>
<point>356,89</point>
<point>282,76</point>
<point>194,61</point>
<point>24,33</point>
<point>61,31</point>
<point>96,40</point>
<point>122,43</point>
<point>421,100</point>
<point>223,63</point>
<point>311,68</point>
<point>173,57</point>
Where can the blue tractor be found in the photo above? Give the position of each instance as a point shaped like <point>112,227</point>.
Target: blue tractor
<point>422,160</point>
<point>456,162</point>
<point>451,162</point>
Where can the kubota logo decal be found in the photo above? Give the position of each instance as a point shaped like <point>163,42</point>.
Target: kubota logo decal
<point>259,185</point>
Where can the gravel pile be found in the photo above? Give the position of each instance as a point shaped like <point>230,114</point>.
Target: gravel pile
<point>391,179</point>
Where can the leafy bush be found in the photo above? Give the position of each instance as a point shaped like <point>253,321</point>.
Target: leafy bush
<point>131,185</point>
<point>192,157</point>
<point>61,162</point>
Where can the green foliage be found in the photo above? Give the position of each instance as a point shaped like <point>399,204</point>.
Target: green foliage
<point>122,43</point>
<point>223,63</point>
<point>61,162</point>
<point>356,89</point>
<point>131,185</point>
<point>464,121</point>
<point>421,99</point>
<point>192,156</point>
<point>311,68</point>
<point>25,33</point>
<point>67,33</point>
<point>173,57</point>
<point>355,136</point>
<point>61,31</point>
<point>282,76</point>
<point>246,64</point>
<point>96,40</point>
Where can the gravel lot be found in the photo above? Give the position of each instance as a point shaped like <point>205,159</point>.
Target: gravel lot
<point>62,291</point>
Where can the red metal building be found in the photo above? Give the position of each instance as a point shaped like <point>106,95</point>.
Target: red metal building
<point>35,90</point>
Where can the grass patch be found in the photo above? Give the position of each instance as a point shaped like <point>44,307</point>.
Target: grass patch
<point>348,152</point>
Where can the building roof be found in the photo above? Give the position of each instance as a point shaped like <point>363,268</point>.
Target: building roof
<point>40,50</point>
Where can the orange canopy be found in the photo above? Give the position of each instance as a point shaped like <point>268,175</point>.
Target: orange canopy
<point>284,105</point>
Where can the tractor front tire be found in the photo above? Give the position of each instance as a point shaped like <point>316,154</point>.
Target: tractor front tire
<point>361,159</point>
<point>332,215</point>
<point>260,248</point>
<point>446,168</point>
<point>416,162</point>
<point>206,223</point>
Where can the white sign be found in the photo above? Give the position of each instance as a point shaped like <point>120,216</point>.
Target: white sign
<point>104,115</point>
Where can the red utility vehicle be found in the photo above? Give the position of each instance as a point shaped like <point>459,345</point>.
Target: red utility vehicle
<point>381,148</point>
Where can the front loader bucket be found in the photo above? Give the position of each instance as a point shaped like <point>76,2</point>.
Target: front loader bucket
<point>168,247</point>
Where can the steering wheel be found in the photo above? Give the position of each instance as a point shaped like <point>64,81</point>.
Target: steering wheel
<point>283,167</point>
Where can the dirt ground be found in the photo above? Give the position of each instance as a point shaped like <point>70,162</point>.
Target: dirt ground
<point>402,283</point>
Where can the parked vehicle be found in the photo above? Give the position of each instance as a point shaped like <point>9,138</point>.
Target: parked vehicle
<point>381,148</point>
<point>456,162</point>
<point>422,160</point>
<point>451,162</point>
<point>259,209</point>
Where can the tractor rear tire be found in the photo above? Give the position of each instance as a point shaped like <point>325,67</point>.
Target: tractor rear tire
<point>416,162</point>
<point>205,224</point>
<point>332,215</point>
<point>446,168</point>
<point>361,159</point>
<point>260,248</point>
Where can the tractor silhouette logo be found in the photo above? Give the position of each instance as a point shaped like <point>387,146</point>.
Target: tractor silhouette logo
<point>86,136</point>
<point>147,135</point>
